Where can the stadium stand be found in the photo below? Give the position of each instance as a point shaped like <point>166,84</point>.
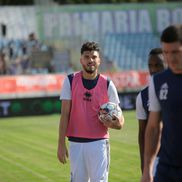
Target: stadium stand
<point>129,51</point>
<point>124,51</point>
<point>26,56</point>
<point>61,61</point>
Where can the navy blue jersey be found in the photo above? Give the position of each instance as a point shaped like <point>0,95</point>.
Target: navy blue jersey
<point>168,88</point>
<point>145,99</point>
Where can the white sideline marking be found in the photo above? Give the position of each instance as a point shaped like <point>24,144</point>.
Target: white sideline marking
<point>25,168</point>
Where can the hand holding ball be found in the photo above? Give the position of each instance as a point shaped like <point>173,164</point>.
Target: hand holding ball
<point>109,110</point>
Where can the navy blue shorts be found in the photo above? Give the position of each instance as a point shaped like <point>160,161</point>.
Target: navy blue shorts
<point>167,173</point>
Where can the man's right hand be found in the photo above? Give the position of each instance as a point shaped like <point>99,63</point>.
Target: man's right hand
<point>62,153</point>
<point>147,177</point>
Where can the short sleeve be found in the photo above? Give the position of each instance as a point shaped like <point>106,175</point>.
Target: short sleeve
<point>154,104</point>
<point>66,90</point>
<point>112,93</point>
<point>140,111</point>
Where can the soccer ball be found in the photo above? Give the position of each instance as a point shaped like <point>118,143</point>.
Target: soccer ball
<point>109,109</point>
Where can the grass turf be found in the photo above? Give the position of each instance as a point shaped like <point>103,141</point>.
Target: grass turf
<point>28,150</point>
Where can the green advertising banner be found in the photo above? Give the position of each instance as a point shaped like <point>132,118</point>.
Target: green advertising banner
<point>49,105</point>
<point>94,21</point>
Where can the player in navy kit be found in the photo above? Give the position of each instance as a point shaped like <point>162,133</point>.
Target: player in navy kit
<point>165,101</point>
<point>155,64</point>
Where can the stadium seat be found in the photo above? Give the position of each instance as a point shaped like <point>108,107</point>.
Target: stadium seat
<point>129,51</point>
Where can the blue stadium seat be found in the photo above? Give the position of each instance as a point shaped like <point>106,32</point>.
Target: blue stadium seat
<point>130,51</point>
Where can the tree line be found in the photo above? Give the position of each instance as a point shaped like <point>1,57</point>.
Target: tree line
<point>61,2</point>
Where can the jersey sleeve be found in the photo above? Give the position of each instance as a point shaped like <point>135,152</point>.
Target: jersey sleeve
<point>140,111</point>
<point>112,93</point>
<point>66,90</point>
<point>154,104</point>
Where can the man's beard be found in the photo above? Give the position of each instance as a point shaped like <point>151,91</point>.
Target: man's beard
<point>89,71</point>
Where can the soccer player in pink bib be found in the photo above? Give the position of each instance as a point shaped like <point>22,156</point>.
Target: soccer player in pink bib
<point>82,95</point>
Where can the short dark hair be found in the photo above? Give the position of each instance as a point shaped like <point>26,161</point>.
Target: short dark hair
<point>155,51</point>
<point>172,33</point>
<point>90,46</point>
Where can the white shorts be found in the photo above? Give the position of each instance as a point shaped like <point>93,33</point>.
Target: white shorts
<point>89,161</point>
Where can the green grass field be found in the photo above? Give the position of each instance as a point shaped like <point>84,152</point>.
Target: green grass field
<point>28,150</point>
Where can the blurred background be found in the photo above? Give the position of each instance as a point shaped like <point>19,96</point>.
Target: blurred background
<point>40,43</point>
